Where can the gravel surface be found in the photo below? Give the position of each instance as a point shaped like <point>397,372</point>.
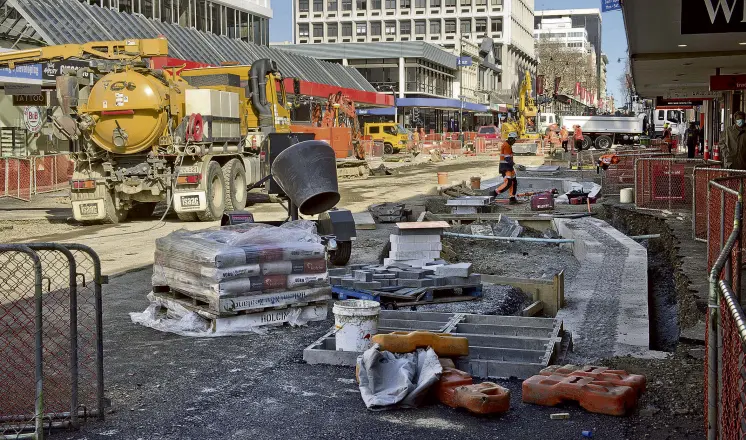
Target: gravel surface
<point>496,300</point>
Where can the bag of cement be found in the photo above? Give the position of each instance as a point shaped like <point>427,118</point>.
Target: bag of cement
<point>209,272</point>
<point>293,267</point>
<point>307,280</point>
<point>389,380</point>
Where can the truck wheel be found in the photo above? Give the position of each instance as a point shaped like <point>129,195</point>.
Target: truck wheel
<point>603,142</point>
<point>113,215</point>
<point>187,216</point>
<point>142,210</point>
<point>214,193</point>
<point>341,255</point>
<point>587,142</point>
<point>388,148</point>
<point>234,175</point>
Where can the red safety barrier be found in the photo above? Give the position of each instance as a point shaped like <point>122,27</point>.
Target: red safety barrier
<point>594,396</point>
<point>17,178</point>
<point>456,390</point>
<point>665,182</point>
<point>700,211</point>
<point>23,177</point>
<point>614,377</point>
<point>622,174</point>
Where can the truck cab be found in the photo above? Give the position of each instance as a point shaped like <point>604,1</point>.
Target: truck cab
<point>675,118</point>
<point>394,136</point>
<point>546,120</point>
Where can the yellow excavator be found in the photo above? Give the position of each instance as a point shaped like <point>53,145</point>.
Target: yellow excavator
<point>525,124</point>
<point>195,138</point>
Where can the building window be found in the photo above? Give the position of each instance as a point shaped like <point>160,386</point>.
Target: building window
<point>346,29</point>
<point>435,27</point>
<point>405,4</point>
<point>497,3</point>
<point>303,5</point>
<point>434,3</point>
<point>375,28</point>
<point>331,6</point>
<point>318,30</point>
<point>466,26</point>
<point>361,29</point>
<point>465,2</point>
<point>405,28</point>
<point>347,5</point>
<point>420,3</point>
<point>450,3</point>
<point>376,5</point>
<point>390,28</point>
<point>480,2</point>
<point>450,26</point>
<point>390,4</point>
<point>303,29</point>
<point>361,5</point>
<point>420,27</point>
<point>480,25</point>
<point>497,25</point>
<point>318,5</point>
<point>331,30</point>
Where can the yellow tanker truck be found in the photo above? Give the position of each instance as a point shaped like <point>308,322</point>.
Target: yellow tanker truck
<point>198,139</point>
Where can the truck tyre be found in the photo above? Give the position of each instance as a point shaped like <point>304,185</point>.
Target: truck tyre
<point>234,175</point>
<point>142,210</point>
<point>341,255</point>
<point>113,215</point>
<point>388,148</point>
<point>187,216</point>
<point>587,142</point>
<point>214,193</point>
<point>603,142</point>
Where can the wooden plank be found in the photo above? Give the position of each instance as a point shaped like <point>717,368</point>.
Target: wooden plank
<point>534,309</point>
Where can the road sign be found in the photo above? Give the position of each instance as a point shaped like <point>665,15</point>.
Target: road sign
<point>610,5</point>
<point>463,61</point>
<point>33,119</point>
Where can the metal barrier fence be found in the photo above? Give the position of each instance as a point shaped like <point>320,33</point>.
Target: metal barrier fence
<point>725,375</point>
<point>700,211</point>
<point>23,177</point>
<point>622,174</point>
<point>664,182</point>
<point>51,338</point>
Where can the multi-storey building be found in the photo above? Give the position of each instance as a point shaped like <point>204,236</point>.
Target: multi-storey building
<point>451,24</point>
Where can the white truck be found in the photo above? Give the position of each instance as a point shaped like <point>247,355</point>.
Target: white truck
<point>605,131</point>
<point>675,118</point>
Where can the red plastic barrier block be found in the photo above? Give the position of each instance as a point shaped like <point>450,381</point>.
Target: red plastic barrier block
<point>618,378</point>
<point>483,398</point>
<point>594,396</point>
<point>451,379</point>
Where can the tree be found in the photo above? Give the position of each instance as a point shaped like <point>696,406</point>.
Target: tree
<point>570,64</point>
<point>626,86</point>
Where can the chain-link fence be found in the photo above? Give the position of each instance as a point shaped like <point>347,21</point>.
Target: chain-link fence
<point>50,338</point>
<point>51,172</point>
<point>23,177</point>
<point>622,174</point>
<point>664,182</point>
<point>16,178</point>
<point>725,375</point>
<point>700,212</point>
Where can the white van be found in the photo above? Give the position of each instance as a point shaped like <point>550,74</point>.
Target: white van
<point>546,120</point>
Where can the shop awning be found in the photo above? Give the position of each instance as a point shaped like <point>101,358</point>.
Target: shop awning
<point>441,103</point>
<point>386,111</point>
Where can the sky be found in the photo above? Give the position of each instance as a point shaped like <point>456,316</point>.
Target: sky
<point>614,39</point>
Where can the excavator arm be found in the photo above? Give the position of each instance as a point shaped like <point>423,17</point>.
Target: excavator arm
<point>125,50</point>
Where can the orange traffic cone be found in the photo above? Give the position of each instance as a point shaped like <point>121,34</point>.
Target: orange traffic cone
<point>716,152</point>
<point>707,151</point>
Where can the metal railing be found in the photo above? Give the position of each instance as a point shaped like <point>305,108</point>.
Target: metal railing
<point>725,378</point>
<point>51,338</point>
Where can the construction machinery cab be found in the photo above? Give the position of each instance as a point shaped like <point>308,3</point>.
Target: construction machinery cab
<point>394,136</point>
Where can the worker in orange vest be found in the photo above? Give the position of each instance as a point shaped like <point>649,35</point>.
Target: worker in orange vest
<point>668,135</point>
<point>564,137</point>
<point>507,168</point>
<point>578,136</point>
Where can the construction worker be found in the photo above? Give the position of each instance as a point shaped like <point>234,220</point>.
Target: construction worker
<point>578,136</point>
<point>507,168</point>
<point>733,143</point>
<point>564,137</point>
<point>668,135</point>
<point>692,139</point>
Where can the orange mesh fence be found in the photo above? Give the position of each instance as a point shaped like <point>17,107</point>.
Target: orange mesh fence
<point>664,182</point>
<point>622,174</point>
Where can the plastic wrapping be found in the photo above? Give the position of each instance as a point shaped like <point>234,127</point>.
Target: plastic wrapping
<point>239,261</point>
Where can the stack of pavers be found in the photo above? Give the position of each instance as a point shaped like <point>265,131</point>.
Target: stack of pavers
<point>469,204</point>
<point>231,273</point>
<point>405,282</point>
<point>416,243</point>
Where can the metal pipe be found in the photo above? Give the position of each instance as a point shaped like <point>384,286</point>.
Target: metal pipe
<point>645,237</point>
<point>712,339</point>
<point>731,301</point>
<point>525,239</point>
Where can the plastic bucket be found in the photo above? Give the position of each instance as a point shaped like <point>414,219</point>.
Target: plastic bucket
<point>307,173</point>
<point>627,195</point>
<point>476,182</point>
<point>356,321</point>
<point>442,178</point>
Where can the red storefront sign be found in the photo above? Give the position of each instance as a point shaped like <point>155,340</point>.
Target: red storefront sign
<point>722,83</point>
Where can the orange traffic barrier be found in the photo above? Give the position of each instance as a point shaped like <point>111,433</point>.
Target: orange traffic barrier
<point>619,378</point>
<point>456,390</point>
<point>594,396</point>
<point>444,345</point>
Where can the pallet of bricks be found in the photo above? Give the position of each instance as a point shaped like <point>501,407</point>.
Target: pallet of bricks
<point>412,274</point>
<point>242,277</point>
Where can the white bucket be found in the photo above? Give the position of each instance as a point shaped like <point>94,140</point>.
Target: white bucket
<point>627,195</point>
<point>356,321</point>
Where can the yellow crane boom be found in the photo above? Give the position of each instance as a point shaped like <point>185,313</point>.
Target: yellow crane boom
<point>125,50</point>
